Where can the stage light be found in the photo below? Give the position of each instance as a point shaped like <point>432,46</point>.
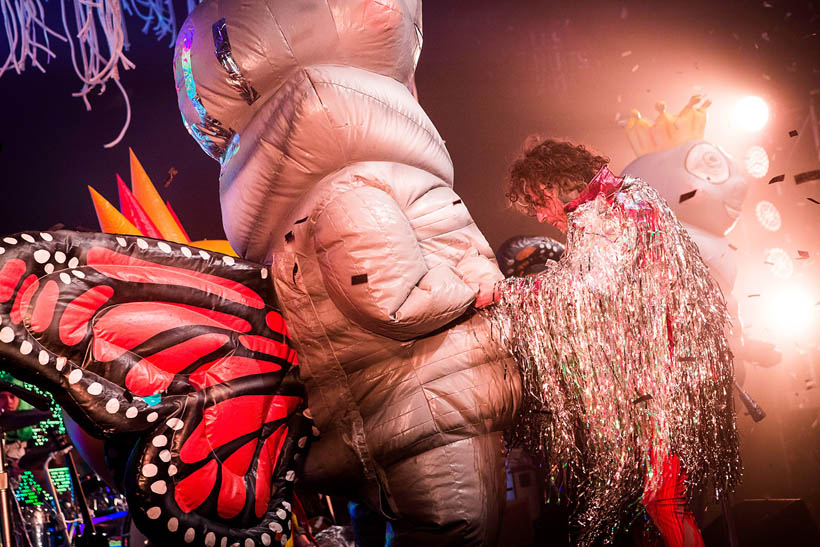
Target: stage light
<point>793,311</point>
<point>768,216</point>
<point>757,161</point>
<point>781,265</point>
<point>751,113</point>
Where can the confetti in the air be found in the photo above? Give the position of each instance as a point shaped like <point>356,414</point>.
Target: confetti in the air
<point>813,200</point>
<point>752,295</point>
<point>687,195</point>
<point>172,172</point>
<point>807,176</point>
<point>802,255</point>
<point>626,53</point>
<point>778,178</point>
<point>793,133</point>
<point>635,68</point>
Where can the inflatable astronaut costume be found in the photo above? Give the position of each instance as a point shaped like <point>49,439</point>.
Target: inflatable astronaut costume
<point>334,175</point>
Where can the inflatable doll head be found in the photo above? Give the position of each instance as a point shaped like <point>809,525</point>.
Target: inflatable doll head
<point>719,186</point>
<point>232,57</point>
<point>674,158</point>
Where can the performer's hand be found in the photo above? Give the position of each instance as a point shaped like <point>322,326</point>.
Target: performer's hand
<point>480,274</point>
<point>485,296</point>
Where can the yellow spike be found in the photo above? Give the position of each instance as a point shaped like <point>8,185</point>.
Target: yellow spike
<point>215,245</point>
<point>111,220</point>
<point>150,200</point>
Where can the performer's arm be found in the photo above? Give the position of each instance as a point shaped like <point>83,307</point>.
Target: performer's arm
<point>375,272</point>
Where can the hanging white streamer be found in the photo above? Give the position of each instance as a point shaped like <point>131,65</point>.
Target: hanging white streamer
<point>27,34</point>
<point>160,13</point>
<point>97,39</point>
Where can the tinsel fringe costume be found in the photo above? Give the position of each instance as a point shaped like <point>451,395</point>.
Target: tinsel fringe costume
<point>622,352</point>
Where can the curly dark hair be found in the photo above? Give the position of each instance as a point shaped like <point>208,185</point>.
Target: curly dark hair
<point>552,164</point>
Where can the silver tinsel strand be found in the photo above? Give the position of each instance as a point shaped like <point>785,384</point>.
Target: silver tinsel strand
<point>623,353</point>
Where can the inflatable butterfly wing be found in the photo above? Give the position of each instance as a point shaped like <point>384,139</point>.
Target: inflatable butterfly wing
<point>182,348</point>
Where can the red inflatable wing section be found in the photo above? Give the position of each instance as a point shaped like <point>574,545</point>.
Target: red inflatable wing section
<point>181,348</point>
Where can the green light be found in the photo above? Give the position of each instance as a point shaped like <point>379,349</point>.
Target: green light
<point>29,492</point>
<point>61,478</point>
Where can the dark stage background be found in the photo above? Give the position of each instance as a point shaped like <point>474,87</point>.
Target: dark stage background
<point>490,74</point>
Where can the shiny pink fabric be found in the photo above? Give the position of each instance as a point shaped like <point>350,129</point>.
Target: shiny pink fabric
<point>604,182</point>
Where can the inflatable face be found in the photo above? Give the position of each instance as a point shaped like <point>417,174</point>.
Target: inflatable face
<point>708,216</point>
<point>700,166</point>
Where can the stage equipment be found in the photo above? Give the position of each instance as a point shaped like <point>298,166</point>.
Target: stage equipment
<point>89,537</point>
<point>768,216</point>
<point>10,421</point>
<point>36,456</point>
<point>756,161</point>
<point>779,261</point>
<point>180,352</point>
<point>5,494</point>
<point>792,311</point>
<point>751,113</point>
<point>34,399</point>
<point>767,522</point>
<point>751,405</point>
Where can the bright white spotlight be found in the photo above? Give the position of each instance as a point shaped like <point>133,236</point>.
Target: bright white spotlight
<point>768,216</point>
<point>756,161</point>
<point>793,311</point>
<point>780,263</point>
<point>751,113</point>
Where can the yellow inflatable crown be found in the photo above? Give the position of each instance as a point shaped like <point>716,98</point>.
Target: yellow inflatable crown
<point>145,214</point>
<point>668,131</point>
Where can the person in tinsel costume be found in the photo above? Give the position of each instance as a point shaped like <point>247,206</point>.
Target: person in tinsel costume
<point>621,345</point>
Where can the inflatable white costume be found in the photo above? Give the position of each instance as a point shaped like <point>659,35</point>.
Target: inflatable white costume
<point>334,175</point>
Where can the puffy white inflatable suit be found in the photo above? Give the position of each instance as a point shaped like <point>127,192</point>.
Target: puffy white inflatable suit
<point>333,174</point>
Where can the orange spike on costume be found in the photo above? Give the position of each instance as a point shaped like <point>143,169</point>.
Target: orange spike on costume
<point>133,211</point>
<point>111,221</point>
<point>148,197</point>
<point>176,219</point>
<point>215,245</point>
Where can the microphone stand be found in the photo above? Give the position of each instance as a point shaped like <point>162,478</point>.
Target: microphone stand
<point>5,499</point>
<point>90,537</point>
